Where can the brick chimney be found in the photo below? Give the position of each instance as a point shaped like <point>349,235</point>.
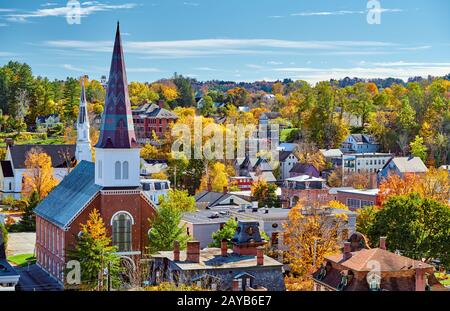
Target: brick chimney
<point>176,251</point>
<point>225,189</point>
<point>161,104</point>
<point>236,285</point>
<point>382,242</point>
<point>193,251</point>
<point>260,256</point>
<point>9,142</point>
<point>347,250</point>
<point>420,279</point>
<point>224,248</point>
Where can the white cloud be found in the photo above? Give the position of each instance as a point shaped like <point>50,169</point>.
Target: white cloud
<point>401,70</point>
<point>49,4</point>
<point>142,70</point>
<point>191,3</point>
<point>86,9</point>
<point>3,25</point>
<point>205,69</point>
<point>327,13</point>
<point>5,54</point>
<point>272,62</point>
<point>214,47</point>
<point>345,12</point>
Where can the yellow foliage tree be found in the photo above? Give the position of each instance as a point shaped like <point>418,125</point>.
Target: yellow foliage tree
<point>149,152</point>
<point>160,175</point>
<point>38,175</point>
<point>309,237</point>
<point>217,177</point>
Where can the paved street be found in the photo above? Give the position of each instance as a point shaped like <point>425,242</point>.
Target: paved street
<point>21,243</point>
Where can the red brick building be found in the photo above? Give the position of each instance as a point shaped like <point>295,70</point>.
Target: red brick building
<point>358,268</point>
<point>306,189</point>
<point>111,186</point>
<point>150,118</point>
<point>356,198</point>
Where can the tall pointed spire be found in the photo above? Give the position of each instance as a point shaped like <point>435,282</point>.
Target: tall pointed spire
<point>83,147</point>
<point>117,128</point>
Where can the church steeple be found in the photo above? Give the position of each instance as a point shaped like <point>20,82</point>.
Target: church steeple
<point>117,129</point>
<point>83,148</point>
<point>117,158</point>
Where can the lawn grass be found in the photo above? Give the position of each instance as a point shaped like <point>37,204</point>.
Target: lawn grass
<point>284,134</point>
<point>37,141</point>
<point>443,279</point>
<point>22,260</point>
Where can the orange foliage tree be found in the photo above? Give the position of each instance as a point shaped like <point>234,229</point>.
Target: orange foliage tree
<point>38,175</point>
<point>434,184</point>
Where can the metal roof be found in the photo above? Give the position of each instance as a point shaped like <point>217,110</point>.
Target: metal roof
<point>69,198</point>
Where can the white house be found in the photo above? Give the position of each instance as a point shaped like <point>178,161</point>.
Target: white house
<point>13,167</point>
<point>287,161</point>
<point>154,188</point>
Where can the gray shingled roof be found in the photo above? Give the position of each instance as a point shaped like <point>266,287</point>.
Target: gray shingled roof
<point>56,152</point>
<point>70,196</point>
<point>409,164</point>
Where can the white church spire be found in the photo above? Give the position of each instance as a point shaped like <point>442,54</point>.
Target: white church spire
<point>83,149</point>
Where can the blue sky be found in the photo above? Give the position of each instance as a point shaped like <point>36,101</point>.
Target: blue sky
<point>240,40</point>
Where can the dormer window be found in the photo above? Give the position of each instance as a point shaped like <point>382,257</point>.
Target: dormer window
<point>374,281</point>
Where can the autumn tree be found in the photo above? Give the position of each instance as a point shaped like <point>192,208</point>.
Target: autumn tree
<point>38,175</point>
<point>310,235</point>
<point>308,153</point>
<point>418,227</point>
<point>265,193</point>
<point>434,184</point>
<point>149,151</point>
<point>94,252</point>
<point>418,148</point>
<point>358,180</point>
<point>216,177</point>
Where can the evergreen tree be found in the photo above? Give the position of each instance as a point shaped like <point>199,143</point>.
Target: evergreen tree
<point>184,87</point>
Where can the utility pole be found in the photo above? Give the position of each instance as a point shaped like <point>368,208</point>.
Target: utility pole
<point>175,177</point>
<point>315,252</point>
<point>109,276</point>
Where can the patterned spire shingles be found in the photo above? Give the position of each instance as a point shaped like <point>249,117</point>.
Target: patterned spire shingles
<point>117,128</point>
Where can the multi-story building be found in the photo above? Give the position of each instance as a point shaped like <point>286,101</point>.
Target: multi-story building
<point>306,189</point>
<point>360,143</point>
<point>357,198</point>
<point>155,188</point>
<point>402,166</point>
<point>365,162</point>
<point>152,118</point>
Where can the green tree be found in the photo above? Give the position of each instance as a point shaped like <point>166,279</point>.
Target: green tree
<point>94,252</point>
<point>418,227</point>
<point>227,232</point>
<point>208,106</point>
<point>365,219</point>
<point>28,220</point>
<point>418,148</point>
<point>186,94</point>
<point>179,199</point>
<point>166,229</point>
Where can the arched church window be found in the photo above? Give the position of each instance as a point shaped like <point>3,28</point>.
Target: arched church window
<point>125,170</point>
<point>118,170</point>
<point>121,227</point>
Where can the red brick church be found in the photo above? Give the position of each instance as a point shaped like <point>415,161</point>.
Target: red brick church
<point>110,185</point>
